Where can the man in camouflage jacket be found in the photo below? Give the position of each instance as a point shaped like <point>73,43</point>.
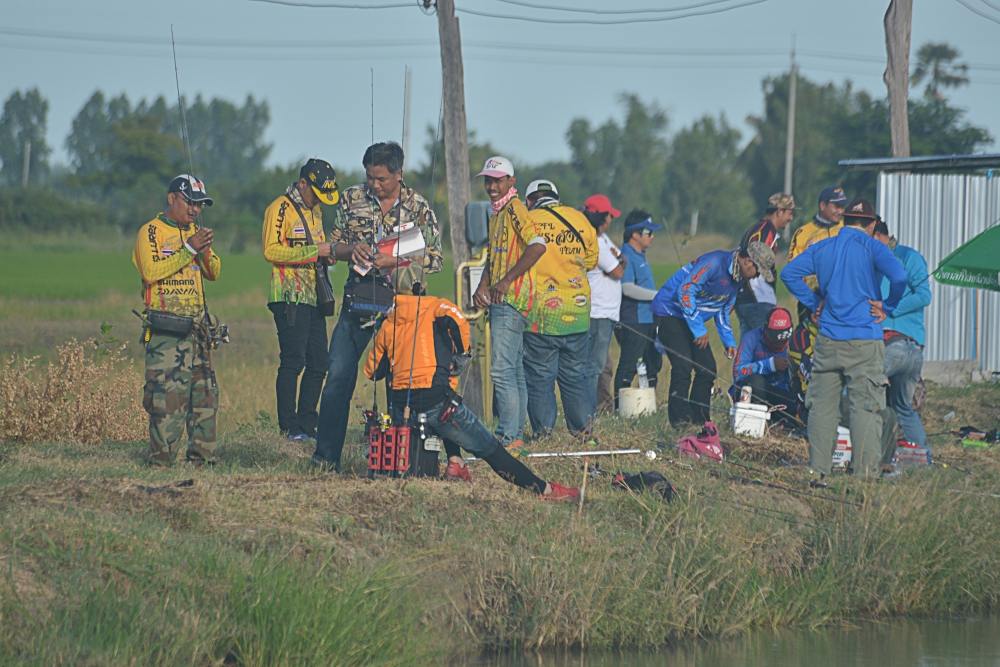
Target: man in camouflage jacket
<point>373,212</point>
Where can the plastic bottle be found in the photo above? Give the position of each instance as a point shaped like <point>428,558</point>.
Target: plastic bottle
<point>640,368</point>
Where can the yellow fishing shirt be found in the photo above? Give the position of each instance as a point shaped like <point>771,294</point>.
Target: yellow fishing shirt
<point>510,232</point>
<point>292,258</point>
<point>171,274</point>
<point>805,236</point>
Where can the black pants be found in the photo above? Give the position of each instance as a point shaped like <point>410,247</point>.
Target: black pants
<point>689,401</point>
<point>635,341</point>
<point>302,344</point>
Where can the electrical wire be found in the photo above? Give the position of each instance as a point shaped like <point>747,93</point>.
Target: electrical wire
<point>654,19</point>
<point>978,11</point>
<point>338,5</point>
<point>579,10</point>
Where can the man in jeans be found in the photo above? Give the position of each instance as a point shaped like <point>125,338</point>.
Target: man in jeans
<point>371,213</point>
<point>636,333</point>
<point>506,289</point>
<point>605,289</point>
<point>904,336</point>
<point>555,343</point>
<point>294,243</point>
<point>850,309</point>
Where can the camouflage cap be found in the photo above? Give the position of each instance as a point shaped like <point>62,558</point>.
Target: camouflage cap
<point>781,200</point>
<point>763,258</point>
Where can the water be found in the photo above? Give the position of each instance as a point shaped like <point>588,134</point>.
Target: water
<point>897,643</point>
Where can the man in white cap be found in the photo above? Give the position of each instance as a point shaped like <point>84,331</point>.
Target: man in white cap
<point>506,289</point>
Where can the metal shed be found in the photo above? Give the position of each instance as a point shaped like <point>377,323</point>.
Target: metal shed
<point>935,204</point>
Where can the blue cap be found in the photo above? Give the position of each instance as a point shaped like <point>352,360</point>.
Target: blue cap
<point>834,194</point>
<point>644,224</point>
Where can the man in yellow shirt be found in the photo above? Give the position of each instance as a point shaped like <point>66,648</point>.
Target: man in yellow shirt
<point>173,256</point>
<point>826,224</point>
<point>294,243</point>
<point>556,341</point>
<point>506,289</point>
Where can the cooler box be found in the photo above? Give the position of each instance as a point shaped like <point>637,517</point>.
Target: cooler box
<point>749,419</point>
<point>842,452</point>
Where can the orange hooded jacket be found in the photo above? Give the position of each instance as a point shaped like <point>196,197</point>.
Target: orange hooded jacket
<point>416,345</point>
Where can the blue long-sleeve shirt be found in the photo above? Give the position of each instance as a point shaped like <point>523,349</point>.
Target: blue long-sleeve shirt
<point>702,290</point>
<point>849,268</point>
<point>753,357</point>
<point>908,318</point>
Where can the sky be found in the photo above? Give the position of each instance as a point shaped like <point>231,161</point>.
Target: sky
<point>525,80</point>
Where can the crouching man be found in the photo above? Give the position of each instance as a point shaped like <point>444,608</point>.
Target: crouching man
<point>423,347</point>
<point>762,364</point>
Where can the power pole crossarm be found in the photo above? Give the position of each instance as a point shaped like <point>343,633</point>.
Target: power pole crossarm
<point>455,137</point>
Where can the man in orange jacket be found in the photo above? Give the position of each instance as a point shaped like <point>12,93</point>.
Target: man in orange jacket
<point>423,347</point>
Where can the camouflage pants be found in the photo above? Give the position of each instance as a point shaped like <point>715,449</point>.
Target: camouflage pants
<point>180,393</point>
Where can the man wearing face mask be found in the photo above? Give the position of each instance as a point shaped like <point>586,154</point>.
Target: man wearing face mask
<point>173,256</point>
<point>761,363</point>
<point>372,213</point>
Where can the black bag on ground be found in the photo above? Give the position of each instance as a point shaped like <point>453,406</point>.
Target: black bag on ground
<point>162,322</point>
<point>645,481</point>
<point>325,302</point>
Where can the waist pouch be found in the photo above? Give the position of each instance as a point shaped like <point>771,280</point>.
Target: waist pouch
<point>162,322</point>
<point>366,298</point>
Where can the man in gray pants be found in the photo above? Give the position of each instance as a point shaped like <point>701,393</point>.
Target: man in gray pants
<point>849,350</point>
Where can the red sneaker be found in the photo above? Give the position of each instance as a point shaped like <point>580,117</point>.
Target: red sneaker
<point>561,493</point>
<point>456,472</point>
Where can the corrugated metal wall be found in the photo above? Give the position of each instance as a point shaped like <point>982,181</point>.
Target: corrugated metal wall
<point>936,213</point>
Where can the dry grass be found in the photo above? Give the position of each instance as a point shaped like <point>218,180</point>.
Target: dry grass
<point>88,394</point>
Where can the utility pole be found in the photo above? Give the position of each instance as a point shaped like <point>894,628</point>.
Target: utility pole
<point>793,77</point>
<point>455,133</point>
<point>897,22</point>
<point>26,163</point>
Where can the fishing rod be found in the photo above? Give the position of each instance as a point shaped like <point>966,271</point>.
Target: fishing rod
<point>648,453</point>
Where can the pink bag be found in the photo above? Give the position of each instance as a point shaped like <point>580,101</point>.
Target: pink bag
<point>704,444</point>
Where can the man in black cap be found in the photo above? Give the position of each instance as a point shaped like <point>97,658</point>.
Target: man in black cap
<point>294,243</point>
<point>848,352</point>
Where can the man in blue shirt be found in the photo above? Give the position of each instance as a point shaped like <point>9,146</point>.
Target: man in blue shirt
<point>702,290</point>
<point>761,363</point>
<point>636,332</point>
<point>849,269</point>
<point>904,338</point>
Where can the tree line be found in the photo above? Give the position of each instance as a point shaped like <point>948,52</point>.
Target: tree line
<point>122,153</point>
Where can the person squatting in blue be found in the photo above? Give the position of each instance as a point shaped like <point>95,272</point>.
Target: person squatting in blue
<point>702,290</point>
<point>762,364</point>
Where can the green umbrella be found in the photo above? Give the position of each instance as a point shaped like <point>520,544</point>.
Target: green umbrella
<point>975,264</point>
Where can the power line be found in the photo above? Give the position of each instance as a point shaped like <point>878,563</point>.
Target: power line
<point>978,11</point>
<point>338,5</point>
<point>578,10</point>
<point>654,19</point>
<point>991,5</point>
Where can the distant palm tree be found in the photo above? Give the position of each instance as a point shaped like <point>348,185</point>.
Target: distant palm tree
<point>936,64</point>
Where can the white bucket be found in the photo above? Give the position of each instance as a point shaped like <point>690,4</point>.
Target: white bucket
<point>636,402</point>
<point>842,452</point>
<point>749,419</point>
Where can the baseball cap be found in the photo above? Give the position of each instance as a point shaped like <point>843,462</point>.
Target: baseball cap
<point>598,203</point>
<point>323,179</point>
<point>644,224</point>
<point>763,258</point>
<point>780,200</point>
<point>833,194</point>
<point>543,186</point>
<point>192,188</point>
<point>778,329</point>
<point>497,167</point>
<point>860,208</point>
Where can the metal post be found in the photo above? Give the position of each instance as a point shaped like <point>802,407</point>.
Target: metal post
<point>793,77</point>
<point>26,163</point>
<point>407,93</point>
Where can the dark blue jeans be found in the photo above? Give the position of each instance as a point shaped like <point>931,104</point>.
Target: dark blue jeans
<point>546,360</point>
<point>302,344</point>
<point>347,344</point>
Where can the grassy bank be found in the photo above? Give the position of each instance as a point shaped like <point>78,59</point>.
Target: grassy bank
<point>260,561</point>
